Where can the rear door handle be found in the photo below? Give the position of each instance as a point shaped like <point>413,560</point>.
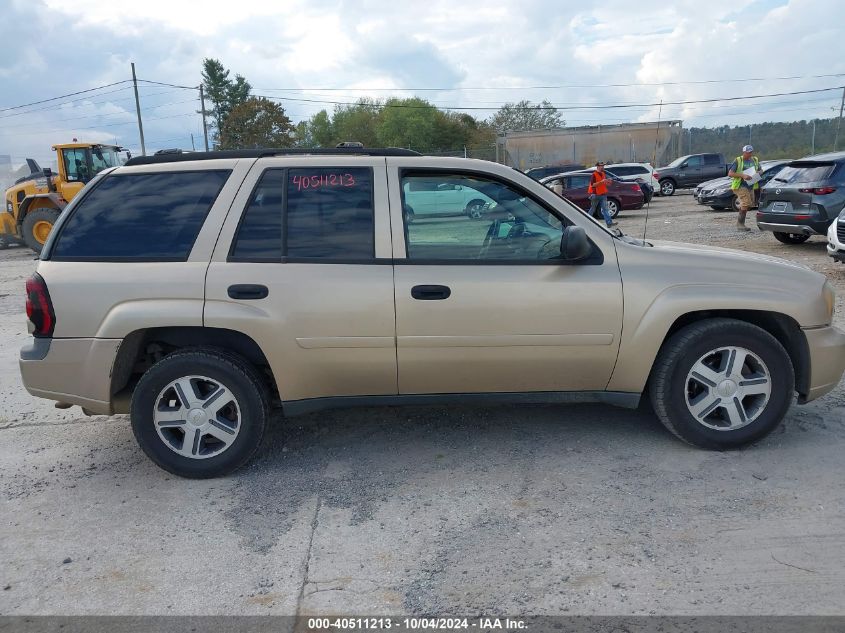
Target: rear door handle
<point>248,291</point>
<point>431,293</point>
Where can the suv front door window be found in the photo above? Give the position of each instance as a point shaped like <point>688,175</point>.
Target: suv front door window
<point>487,304</point>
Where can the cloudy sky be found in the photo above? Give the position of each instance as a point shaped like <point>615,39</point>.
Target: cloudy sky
<point>473,54</point>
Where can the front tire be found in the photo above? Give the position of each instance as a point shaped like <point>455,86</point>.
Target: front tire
<point>37,226</point>
<point>791,238</point>
<point>722,383</point>
<point>200,413</point>
<point>667,187</point>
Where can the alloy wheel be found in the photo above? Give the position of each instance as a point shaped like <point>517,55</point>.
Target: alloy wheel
<point>197,417</point>
<point>728,388</point>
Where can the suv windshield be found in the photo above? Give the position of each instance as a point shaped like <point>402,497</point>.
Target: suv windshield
<point>806,172</point>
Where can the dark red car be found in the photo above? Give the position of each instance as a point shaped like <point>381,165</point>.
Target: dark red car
<point>621,195</point>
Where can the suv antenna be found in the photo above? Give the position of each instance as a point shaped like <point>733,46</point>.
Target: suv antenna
<point>653,160</point>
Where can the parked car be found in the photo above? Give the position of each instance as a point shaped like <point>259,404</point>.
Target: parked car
<point>435,198</point>
<point>620,195</point>
<point>836,239</point>
<point>804,199</point>
<point>632,171</point>
<point>233,283</point>
<point>691,170</point>
<point>718,195</point>
<point>645,187</point>
<point>538,173</point>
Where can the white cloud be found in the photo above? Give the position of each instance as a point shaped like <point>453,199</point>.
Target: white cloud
<point>401,46</point>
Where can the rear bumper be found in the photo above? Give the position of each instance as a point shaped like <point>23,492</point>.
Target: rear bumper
<point>827,360</point>
<point>77,371</point>
<point>784,223</point>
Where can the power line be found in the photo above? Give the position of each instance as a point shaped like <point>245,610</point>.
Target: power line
<point>561,107</point>
<point>72,94</point>
<point>628,85</point>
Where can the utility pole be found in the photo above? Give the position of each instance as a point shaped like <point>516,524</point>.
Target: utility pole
<point>839,120</point>
<point>204,126</point>
<point>138,111</point>
<point>193,146</point>
<point>813,143</point>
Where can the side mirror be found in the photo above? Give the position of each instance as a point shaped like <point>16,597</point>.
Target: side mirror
<point>574,245</point>
<point>48,172</point>
<point>683,165</point>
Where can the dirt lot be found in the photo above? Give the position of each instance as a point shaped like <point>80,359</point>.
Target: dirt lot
<point>507,510</point>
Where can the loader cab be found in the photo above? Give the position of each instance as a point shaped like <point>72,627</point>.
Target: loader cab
<point>79,163</point>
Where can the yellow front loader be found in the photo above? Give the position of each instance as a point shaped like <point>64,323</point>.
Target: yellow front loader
<point>34,202</point>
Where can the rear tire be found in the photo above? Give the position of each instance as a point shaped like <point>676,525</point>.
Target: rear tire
<point>37,226</point>
<point>613,207</point>
<point>185,384</point>
<point>702,396</point>
<point>475,209</point>
<point>791,238</point>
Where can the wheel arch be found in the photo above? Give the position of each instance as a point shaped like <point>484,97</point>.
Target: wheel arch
<point>140,349</point>
<point>644,333</point>
<point>39,201</point>
<point>783,327</point>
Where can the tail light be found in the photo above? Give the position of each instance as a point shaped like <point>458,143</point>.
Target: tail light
<point>655,174</point>
<point>634,187</point>
<point>819,191</point>
<point>39,308</point>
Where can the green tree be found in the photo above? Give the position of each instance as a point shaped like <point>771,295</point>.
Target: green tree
<point>322,129</point>
<point>222,93</point>
<point>526,116</point>
<point>358,122</point>
<point>257,122</point>
<point>413,123</point>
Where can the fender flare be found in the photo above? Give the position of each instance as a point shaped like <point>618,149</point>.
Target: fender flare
<point>23,208</point>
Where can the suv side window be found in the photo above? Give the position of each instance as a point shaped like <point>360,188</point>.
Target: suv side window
<point>512,227</point>
<point>329,213</point>
<point>259,235</point>
<point>140,217</point>
<point>623,171</point>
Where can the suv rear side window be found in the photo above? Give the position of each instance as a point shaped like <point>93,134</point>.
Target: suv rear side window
<point>140,217</point>
<point>260,233</point>
<point>329,213</point>
<point>712,159</point>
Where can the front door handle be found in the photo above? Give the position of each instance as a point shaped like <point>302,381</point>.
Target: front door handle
<point>248,291</point>
<point>431,293</point>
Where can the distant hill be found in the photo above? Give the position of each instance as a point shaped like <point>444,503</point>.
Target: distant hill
<point>770,140</point>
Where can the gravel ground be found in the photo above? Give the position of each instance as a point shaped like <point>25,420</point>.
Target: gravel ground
<point>505,510</point>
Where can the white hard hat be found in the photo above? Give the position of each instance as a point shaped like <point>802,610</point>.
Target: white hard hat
<point>747,148</point>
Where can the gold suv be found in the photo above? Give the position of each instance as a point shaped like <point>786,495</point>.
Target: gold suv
<point>198,291</point>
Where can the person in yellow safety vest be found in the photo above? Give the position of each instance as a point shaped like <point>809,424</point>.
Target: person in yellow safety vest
<point>744,192</point>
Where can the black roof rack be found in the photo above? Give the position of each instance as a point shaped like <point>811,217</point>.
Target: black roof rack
<point>263,153</point>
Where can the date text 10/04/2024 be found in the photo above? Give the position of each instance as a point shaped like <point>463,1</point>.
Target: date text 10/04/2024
<point>416,623</point>
<point>322,180</point>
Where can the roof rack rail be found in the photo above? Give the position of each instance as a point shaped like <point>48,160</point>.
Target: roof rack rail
<point>263,153</point>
